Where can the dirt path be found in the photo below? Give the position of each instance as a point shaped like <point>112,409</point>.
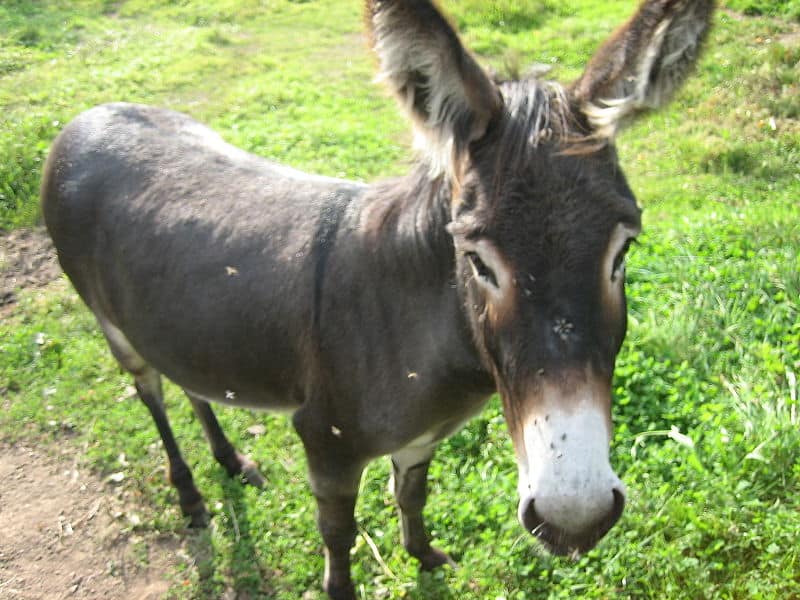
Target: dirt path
<point>64,533</point>
<point>27,259</point>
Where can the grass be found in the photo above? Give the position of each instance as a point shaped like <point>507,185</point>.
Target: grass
<point>707,433</point>
<point>784,8</point>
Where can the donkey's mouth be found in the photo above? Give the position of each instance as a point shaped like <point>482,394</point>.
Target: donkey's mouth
<point>562,543</point>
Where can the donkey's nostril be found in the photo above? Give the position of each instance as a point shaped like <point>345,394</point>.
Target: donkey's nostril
<point>616,510</point>
<point>528,517</point>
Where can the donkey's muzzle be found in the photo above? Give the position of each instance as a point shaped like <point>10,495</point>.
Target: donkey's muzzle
<point>564,538</point>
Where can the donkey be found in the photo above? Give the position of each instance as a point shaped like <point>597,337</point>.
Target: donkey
<point>383,316</point>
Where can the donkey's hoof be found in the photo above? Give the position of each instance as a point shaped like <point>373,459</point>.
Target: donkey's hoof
<point>236,464</point>
<point>199,521</point>
<point>251,473</point>
<point>341,592</point>
<point>435,558</point>
<point>198,515</point>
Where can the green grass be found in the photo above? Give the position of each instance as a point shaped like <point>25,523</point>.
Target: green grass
<point>784,8</point>
<point>707,431</point>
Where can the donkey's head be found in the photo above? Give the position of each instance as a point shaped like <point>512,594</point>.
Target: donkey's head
<point>541,219</point>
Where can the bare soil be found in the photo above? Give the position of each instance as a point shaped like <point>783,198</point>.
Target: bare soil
<point>27,259</point>
<point>64,532</point>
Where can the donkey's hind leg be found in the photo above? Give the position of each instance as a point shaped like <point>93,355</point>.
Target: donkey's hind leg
<point>226,455</point>
<point>148,386</point>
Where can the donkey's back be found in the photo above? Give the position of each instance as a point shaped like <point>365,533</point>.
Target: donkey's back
<point>145,204</point>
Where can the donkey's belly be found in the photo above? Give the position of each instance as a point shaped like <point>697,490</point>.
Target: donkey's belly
<point>261,399</point>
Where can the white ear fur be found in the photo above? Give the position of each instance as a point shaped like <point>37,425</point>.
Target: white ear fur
<point>643,64</point>
<point>436,82</point>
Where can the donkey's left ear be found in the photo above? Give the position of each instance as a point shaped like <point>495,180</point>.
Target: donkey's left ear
<point>641,65</point>
<point>434,78</point>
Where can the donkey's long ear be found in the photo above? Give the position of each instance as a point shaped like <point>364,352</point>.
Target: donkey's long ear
<point>643,63</point>
<point>449,97</point>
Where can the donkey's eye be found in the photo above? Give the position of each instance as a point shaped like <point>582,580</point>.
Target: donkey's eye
<point>480,268</point>
<point>619,259</point>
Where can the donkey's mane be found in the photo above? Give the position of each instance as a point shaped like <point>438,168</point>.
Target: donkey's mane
<point>407,219</point>
<point>535,112</point>
<point>409,213</point>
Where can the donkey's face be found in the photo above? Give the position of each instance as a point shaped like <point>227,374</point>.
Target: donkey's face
<point>541,236</point>
<point>541,220</point>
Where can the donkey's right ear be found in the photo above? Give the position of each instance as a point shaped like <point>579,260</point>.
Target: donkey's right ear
<point>449,97</point>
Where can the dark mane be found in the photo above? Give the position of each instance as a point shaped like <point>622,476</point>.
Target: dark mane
<point>405,219</point>
<point>540,112</point>
<point>409,213</point>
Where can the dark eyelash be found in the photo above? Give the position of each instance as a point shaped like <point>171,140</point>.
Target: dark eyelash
<point>621,255</point>
<point>481,269</point>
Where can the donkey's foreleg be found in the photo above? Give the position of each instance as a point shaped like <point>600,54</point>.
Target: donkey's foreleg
<point>410,487</point>
<point>148,384</point>
<point>335,490</point>
<point>337,525</point>
<point>334,474</point>
<point>223,450</point>
<point>335,486</point>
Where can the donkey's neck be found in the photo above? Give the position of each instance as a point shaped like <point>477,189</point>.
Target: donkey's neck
<point>403,225</point>
<point>404,220</point>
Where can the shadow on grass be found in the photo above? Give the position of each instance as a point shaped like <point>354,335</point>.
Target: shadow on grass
<point>239,572</point>
<point>432,584</point>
